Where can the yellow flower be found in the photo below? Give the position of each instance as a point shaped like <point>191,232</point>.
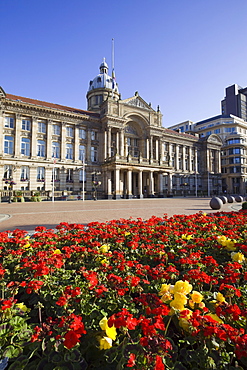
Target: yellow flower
<point>214,227</point>
<point>103,323</point>
<point>196,297</point>
<point>105,343</point>
<point>104,248</point>
<point>186,237</point>
<point>230,245</point>
<point>110,332</point>
<point>237,257</point>
<point>180,297</point>
<point>26,246</point>
<point>177,305</point>
<point>164,289</point>
<point>166,297</point>
<point>182,287</point>
<point>22,307</point>
<point>57,251</point>
<point>220,298</point>
<point>221,239</point>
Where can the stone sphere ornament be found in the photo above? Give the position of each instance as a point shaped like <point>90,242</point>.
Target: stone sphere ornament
<point>239,198</point>
<point>223,198</point>
<point>230,199</point>
<point>216,203</point>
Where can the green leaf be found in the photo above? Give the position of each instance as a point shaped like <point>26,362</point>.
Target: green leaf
<point>12,351</point>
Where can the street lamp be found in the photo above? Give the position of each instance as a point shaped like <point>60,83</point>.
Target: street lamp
<point>10,183</point>
<point>95,183</point>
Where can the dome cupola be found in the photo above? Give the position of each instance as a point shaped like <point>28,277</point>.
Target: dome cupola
<point>102,87</point>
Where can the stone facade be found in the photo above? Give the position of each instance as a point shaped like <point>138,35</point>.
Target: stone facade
<point>118,148</point>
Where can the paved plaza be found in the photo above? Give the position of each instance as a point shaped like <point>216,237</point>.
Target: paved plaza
<point>26,216</point>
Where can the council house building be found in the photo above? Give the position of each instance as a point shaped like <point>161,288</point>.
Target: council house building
<point>117,147</point>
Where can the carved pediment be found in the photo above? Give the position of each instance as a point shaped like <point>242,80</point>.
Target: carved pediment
<point>214,139</point>
<point>137,101</point>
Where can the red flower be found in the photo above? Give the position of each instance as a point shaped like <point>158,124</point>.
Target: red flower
<point>159,363</point>
<point>61,301</point>
<point>131,361</point>
<point>71,339</point>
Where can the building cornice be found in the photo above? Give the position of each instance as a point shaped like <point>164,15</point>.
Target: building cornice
<point>46,112</point>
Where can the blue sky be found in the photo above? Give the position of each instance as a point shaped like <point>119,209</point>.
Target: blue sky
<point>178,54</point>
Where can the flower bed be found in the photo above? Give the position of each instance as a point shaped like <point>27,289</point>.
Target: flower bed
<point>166,293</point>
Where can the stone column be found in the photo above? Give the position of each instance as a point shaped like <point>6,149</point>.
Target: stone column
<point>88,148</point>
<point>157,149</point>
<point>148,149</point>
<point>140,187</point>
<point>190,159</point>
<point>109,141</point>
<point>208,162</point>
<point>122,143</point>
<point>129,184</point>
<point>105,144</point>
<point>48,178</point>
<point>48,140</point>
<point>183,158</point>
<point>196,159</point>
<point>109,185</point>
<point>117,183</point>
<point>176,159</point>
<point>151,149</point>
<point>218,165</point>
<point>151,184</point>
<point>117,143</point>
<point>63,141</point>
<point>18,123</point>
<point>76,144</point>
<point>34,137</point>
<point>161,194</point>
<point>169,185</point>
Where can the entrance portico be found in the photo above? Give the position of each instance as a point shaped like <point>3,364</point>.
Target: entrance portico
<point>133,182</point>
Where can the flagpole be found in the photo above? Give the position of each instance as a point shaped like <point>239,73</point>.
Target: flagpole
<point>53,173</point>
<point>113,72</point>
<point>83,177</point>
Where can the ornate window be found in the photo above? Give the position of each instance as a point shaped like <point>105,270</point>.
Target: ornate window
<point>42,127</point>
<point>26,125</point>
<point>82,133</point>
<point>8,171</point>
<point>8,144</point>
<point>93,154</point>
<point>56,129</point>
<point>55,149</point>
<point>25,146</point>
<point>9,122</point>
<point>81,177</point>
<point>69,151</point>
<point>41,148</point>
<point>69,131</point>
<point>24,173</point>
<point>41,174</point>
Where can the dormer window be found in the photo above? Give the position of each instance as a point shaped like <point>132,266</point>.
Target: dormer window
<point>99,79</point>
<point>90,83</point>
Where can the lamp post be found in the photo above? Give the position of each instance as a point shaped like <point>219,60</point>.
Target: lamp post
<point>95,183</point>
<point>10,183</point>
